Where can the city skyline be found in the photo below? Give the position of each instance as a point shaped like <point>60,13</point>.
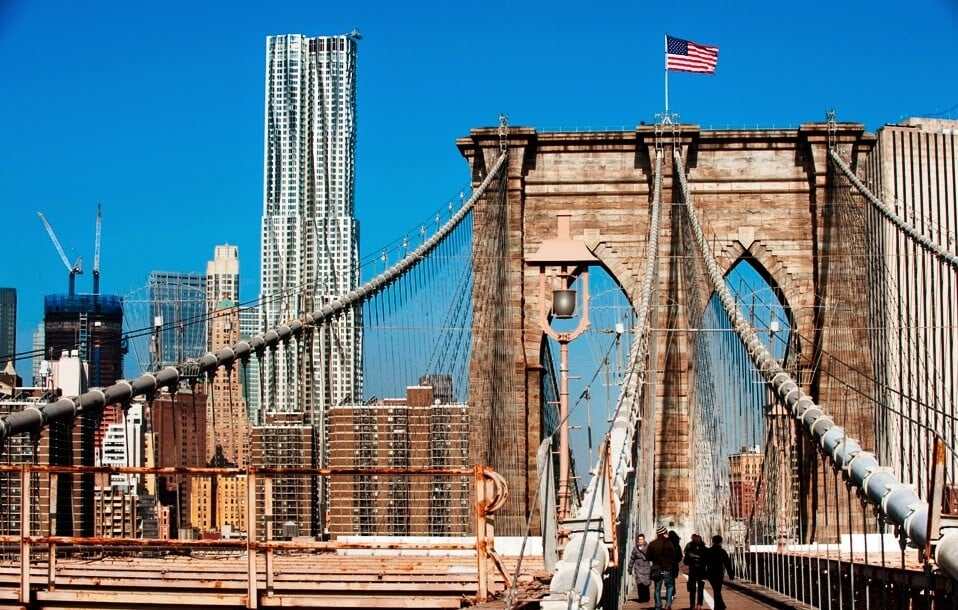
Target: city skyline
<point>157,130</point>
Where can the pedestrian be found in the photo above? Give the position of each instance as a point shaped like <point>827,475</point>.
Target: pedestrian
<point>677,543</point>
<point>640,567</point>
<point>717,564</point>
<point>665,559</point>
<point>695,559</point>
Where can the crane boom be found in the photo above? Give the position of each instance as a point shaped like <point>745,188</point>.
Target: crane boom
<point>56,242</point>
<point>96,244</point>
<point>76,268</point>
<point>96,250</point>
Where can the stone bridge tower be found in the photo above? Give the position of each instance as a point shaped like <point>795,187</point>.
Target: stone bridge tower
<point>765,195</point>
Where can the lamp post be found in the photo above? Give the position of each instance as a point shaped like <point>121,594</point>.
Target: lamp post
<point>569,259</point>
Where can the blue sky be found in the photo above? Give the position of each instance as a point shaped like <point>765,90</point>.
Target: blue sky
<point>155,110</point>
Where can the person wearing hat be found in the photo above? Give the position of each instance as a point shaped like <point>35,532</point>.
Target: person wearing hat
<point>665,559</point>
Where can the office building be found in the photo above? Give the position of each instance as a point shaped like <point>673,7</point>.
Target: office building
<point>16,450</point>
<point>66,508</point>
<point>38,356</point>
<point>228,424</point>
<point>8,324</point>
<point>309,230</point>
<point>284,441</point>
<point>222,275</point>
<point>249,320</point>
<point>222,282</point>
<point>219,504</point>
<point>744,472</point>
<point>178,302</point>
<point>119,441</point>
<point>178,423</point>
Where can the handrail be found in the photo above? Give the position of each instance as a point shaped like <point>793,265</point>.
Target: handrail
<point>490,492</point>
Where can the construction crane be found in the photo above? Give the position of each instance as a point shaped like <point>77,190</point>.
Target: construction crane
<point>96,251</point>
<point>75,269</point>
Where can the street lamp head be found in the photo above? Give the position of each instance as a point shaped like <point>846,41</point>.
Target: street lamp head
<point>569,259</point>
<point>563,303</point>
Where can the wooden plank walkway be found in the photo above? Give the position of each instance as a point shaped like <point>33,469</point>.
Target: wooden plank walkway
<point>738,595</point>
<point>305,580</point>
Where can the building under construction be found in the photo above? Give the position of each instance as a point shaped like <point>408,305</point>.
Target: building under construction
<point>90,325</point>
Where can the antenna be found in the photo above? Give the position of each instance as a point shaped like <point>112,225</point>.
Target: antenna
<point>76,268</point>
<point>96,251</point>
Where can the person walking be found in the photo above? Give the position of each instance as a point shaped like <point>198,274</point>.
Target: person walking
<point>665,559</point>
<point>695,560</point>
<point>640,567</point>
<point>677,543</point>
<point>717,564</point>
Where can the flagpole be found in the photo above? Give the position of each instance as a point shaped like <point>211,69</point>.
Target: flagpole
<point>665,39</point>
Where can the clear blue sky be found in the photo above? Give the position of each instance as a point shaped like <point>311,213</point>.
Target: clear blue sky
<point>155,109</point>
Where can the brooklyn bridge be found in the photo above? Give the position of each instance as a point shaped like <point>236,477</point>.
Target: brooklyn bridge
<point>774,311</point>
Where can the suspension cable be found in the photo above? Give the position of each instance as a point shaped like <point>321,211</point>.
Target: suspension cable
<point>577,579</point>
<point>898,221</point>
<point>33,420</point>
<point>896,501</point>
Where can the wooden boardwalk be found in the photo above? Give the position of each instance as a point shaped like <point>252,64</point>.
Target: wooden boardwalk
<point>304,580</point>
<point>738,595</point>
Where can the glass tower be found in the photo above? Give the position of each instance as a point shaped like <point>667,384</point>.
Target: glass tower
<point>309,231</point>
<point>178,301</point>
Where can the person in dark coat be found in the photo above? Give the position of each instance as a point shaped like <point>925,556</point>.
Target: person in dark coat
<point>665,559</point>
<point>695,559</point>
<point>677,543</point>
<point>640,567</point>
<point>717,564</point>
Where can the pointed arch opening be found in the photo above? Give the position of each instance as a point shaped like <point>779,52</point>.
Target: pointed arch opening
<point>745,434</point>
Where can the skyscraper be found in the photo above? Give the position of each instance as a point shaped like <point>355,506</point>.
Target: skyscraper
<point>309,230</point>
<point>178,301</point>
<point>90,325</point>
<point>228,430</point>
<point>249,321</point>
<point>8,324</point>
<point>222,277</point>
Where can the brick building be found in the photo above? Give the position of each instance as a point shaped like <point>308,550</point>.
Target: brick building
<point>414,433</point>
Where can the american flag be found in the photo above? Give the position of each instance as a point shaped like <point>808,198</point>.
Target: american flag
<point>687,56</point>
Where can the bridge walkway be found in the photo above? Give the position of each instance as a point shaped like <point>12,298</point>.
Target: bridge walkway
<point>738,595</point>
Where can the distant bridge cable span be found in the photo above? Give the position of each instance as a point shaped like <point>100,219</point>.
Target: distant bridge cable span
<point>892,498</point>
<point>33,419</point>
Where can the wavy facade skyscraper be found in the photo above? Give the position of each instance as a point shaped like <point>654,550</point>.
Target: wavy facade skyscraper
<point>309,233</point>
